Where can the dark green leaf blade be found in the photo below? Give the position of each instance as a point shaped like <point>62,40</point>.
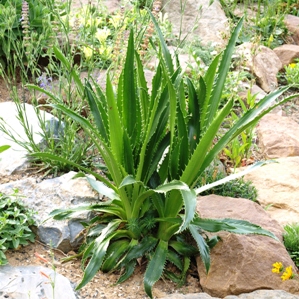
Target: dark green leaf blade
<point>155,267</point>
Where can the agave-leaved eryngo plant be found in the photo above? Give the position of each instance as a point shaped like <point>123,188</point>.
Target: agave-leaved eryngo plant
<point>155,147</point>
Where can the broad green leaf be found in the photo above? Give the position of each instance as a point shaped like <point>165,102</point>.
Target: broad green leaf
<point>183,248</point>
<point>165,51</point>
<point>4,148</point>
<point>129,270</point>
<point>115,125</point>
<point>194,115</point>
<point>101,188</point>
<point>222,73</point>
<point>175,259</point>
<point>173,185</point>
<point>210,225</point>
<point>95,263</point>
<point>155,267</point>
<point>60,56</point>
<point>202,246</point>
<point>246,227</point>
<point>139,250</point>
<point>129,180</point>
<point>130,106</point>
<point>143,91</point>
<point>191,171</point>
<point>205,89</point>
<point>98,111</point>
<point>189,199</point>
<point>99,249</point>
<point>115,251</point>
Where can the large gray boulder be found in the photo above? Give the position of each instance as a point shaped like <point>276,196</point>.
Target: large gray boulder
<point>58,193</point>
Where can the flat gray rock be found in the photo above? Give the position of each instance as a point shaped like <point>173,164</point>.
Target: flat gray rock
<point>58,193</point>
<point>31,282</point>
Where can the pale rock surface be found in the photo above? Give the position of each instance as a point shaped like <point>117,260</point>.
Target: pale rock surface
<point>202,21</point>
<point>58,193</point>
<point>190,296</point>
<point>287,53</point>
<point>278,136</point>
<point>260,294</point>
<point>28,282</point>
<point>186,61</point>
<point>112,5</point>
<point>265,294</point>
<point>292,23</point>
<point>15,158</point>
<point>278,189</point>
<point>262,62</point>
<point>243,263</point>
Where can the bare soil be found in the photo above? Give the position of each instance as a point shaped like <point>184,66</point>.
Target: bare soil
<point>103,285</point>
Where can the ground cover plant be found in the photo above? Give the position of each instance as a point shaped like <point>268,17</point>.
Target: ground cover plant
<point>291,241</point>
<point>155,147</point>
<point>16,222</point>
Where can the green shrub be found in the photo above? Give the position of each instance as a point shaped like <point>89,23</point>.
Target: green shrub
<point>15,224</point>
<point>291,241</point>
<point>155,147</point>
<point>238,188</point>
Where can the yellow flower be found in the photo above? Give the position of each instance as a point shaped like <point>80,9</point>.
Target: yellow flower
<point>105,51</point>
<point>87,52</point>
<point>102,34</point>
<point>277,267</point>
<point>292,65</point>
<point>116,20</point>
<point>92,22</point>
<point>287,274</point>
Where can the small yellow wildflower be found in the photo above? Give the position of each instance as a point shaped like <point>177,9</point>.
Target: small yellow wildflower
<point>277,267</point>
<point>102,34</point>
<point>287,274</point>
<point>292,65</point>
<point>87,52</point>
<point>92,22</point>
<point>116,20</point>
<point>105,51</point>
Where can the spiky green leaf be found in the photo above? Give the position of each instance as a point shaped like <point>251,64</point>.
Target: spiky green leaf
<point>155,267</point>
<point>202,246</point>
